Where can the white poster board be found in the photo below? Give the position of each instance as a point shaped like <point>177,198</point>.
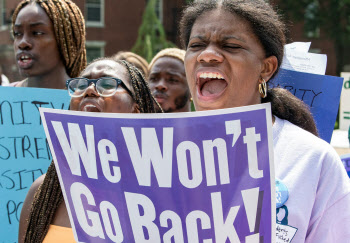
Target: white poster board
<point>344,115</point>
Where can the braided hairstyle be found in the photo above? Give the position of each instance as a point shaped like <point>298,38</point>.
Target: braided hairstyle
<point>270,30</point>
<point>69,29</point>
<point>49,195</point>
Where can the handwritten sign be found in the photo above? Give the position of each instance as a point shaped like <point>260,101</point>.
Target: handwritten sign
<point>285,233</point>
<point>181,177</point>
<point>344,113</point>
<point>24,150</point>
<point>345,158</point>
<point>320,92</point>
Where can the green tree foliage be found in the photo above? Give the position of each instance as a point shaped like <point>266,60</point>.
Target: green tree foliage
<point>332,17</point>
<point>151,35</point>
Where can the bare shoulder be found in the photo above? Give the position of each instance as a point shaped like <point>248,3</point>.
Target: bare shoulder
<point>23,222</point>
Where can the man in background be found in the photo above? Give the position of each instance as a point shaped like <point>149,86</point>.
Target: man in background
<point>167,80</point>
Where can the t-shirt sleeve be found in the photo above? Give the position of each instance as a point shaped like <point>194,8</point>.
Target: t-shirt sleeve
<point>330,221</point>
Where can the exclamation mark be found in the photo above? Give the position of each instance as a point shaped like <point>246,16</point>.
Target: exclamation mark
<point>250,200</point>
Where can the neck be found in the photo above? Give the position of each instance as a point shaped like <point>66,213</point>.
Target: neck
<point>54,80</point>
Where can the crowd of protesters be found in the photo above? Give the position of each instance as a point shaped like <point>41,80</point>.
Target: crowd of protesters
<point>231,49</point>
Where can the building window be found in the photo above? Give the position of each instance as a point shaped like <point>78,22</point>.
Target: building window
<point>94,13</point>
<point>95,49</point>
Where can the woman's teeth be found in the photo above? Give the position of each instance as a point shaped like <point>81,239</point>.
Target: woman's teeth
<point>211,75</point>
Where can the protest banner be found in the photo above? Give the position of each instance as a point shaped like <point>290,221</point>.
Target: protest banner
<point>24,151</point>
<point>320,92</point>
<point>344,112</point>
<point>176,177</point>
<point>345,158</point>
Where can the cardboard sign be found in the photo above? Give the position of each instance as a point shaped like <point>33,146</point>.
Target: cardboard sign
<point>320,92</point>
<point>24,151</point>
<point>285,233</point>
<point>344,113</point>
<point>177,177</point>
<point>345,158</point>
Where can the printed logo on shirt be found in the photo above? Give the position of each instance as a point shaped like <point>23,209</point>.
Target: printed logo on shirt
<point>284,232</point>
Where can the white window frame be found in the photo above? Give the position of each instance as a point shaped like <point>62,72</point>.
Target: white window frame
<point>100,23</point>
<point>97,44</point>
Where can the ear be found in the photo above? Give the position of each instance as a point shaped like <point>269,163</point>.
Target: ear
<point>269,67</point>
<point>135,108</point>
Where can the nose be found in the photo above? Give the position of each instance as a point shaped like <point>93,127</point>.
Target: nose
<point>210,55</point>
<point>25,43</point>
<point>91,91</point>
<point>161,85</point>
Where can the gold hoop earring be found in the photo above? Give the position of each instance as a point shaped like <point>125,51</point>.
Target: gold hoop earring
<point>263,88</point>
<point>191,99</point>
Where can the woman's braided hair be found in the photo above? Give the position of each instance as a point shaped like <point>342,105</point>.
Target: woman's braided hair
<point>49,195</point>
<point>142,94</point>
<point>69,28</point>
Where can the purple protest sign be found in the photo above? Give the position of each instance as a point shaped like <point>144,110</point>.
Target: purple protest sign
<point>180,177</point>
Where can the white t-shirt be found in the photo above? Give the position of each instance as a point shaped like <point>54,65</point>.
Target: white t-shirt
<point>5,80</point>
<point>319,188</point>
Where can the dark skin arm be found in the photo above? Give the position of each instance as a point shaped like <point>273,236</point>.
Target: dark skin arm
<point>61,217</point>
<point>23,221</point>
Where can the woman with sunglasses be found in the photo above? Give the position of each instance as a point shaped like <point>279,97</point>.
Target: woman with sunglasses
<point>105,85</point>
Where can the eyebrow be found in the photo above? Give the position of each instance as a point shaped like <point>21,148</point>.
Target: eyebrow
<point>232,37</point>
<point>199,37</point>
<point>157,72</point>
<point>224,38</point>
<point>32,24</point>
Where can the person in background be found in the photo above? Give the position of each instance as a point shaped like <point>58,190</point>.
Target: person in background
<point>49,42</point>
<point>233,48</point>
<point>44,216</point>
<point>134,59</point>
<point>4,81</point>
<point>167,80</point>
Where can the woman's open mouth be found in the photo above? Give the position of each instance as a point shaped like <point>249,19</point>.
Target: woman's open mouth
<point>89,107</point>
<point>210,85</point>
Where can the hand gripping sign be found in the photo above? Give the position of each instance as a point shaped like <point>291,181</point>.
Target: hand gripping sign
<point>181,177</point>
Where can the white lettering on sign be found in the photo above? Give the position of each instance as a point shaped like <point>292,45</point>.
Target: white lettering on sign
<point>148,155</point>
<point>251,138</point>
<point>151,155</point>
<point>76,148</point>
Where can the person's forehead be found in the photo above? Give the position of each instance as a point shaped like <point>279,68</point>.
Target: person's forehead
<point>168,64</point>
<point>222,22</point>
<point>32,14</point>
<point>107,68</point>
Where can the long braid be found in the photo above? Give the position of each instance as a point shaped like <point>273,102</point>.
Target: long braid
<point>46,201</point>
<point>69,28</point>
<point>143,97</point>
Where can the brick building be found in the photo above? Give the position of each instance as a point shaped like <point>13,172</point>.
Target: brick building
<point>113,25</point>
